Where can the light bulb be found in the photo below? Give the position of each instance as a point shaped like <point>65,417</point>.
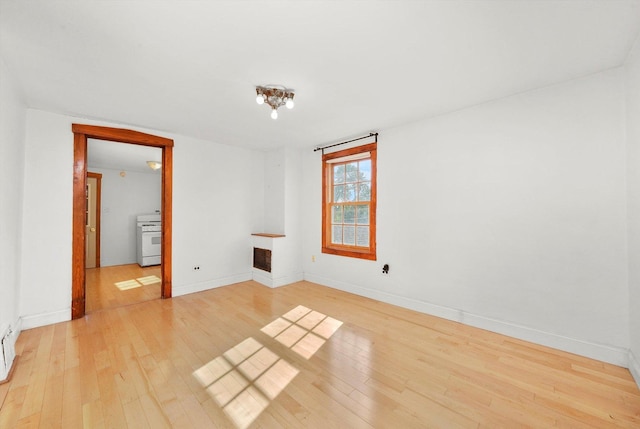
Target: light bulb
<point>289,103</point>
<point>274,114</point>
<point>260,99</point>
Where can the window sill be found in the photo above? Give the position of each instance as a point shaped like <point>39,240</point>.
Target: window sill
<point>350,253</point>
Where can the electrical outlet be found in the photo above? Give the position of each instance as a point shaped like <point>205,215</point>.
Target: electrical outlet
<point>196,268</point>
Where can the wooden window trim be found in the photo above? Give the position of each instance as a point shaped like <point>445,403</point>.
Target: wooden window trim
<point>327,182</point>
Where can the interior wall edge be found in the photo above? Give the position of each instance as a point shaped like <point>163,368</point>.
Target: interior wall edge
<point>605,353</point>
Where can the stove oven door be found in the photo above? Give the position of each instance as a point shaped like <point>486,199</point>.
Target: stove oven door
<point>151,247</point>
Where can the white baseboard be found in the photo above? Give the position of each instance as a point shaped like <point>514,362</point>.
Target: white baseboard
<point>179,290</point>
<point>43,319</point>
<point>266,279</point>
<point>614,355</point>
<point>634,367</point>
<point>262,277</point>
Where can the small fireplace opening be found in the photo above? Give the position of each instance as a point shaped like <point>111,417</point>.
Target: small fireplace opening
<point>262,259</point>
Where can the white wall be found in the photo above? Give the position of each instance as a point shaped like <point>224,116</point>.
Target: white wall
<point>274,191</point>
<point>256,171</point>
<point>282,189</point>
<point>293,220</point>
<point>12,114</point>
<point>633,189</point>
<point>123,198</point>
<point>212,215</point>
<point>510,215</point>
<point>45,293</point>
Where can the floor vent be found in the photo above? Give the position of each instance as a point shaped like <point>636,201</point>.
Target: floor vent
<point>262,259</point>
<point>8,350</point>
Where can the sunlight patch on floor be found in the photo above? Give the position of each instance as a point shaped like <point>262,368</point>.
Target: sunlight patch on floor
<point>134,283</point>
<point>302,330</point>
<point>245,379</point>
<point>127,284</point>
<point>149,280</point>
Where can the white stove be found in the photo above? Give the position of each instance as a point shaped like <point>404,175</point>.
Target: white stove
<point>149,239</point>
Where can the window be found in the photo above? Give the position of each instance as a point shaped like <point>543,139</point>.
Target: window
<point>349,202</point>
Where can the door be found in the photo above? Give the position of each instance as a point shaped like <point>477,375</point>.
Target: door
<point>92,224</point>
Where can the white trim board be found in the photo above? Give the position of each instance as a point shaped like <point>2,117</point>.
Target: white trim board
<point>44,319</point>
<point>179,290</point>
<point>634,367</point>
<point>266,279</point>
<point>613,355</point>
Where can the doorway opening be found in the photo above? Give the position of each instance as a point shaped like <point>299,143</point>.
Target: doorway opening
<point>125,268</point>
<point>80,180</point>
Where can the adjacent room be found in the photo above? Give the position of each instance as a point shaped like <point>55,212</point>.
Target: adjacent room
<point>266,214</point>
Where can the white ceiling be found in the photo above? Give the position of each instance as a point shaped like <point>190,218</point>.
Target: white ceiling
<point>190,67</point>
<point>121,156</point>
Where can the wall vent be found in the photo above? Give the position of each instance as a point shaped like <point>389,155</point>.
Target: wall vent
<point>262,259</point>
<point>8,351</point>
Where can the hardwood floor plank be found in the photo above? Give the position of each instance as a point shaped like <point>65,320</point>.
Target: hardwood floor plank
<point>12,406</point>
<point>92,416</point>
<point>112,408</point>
<point>153,412</point>
<point>72,399</point>
<point>377,366</point>
<point>135,415</point>
<point>102,293</point>
<point>52,401</point>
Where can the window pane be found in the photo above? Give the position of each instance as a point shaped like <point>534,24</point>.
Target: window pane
<point>336,214</point>
<point>364,191</point>
<point>363,215</point>
<point>362,236</point>
<point>350,192</point>
<point>336,234</point>
<point>338,194</point>
<point>349,214</point>
<point>365,169</point>
<point>352,172</point>
<point>349,235</point>
<point>338,174</point>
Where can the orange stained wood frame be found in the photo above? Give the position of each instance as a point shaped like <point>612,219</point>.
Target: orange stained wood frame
<point>98,178</point>
<point>80,135</point>
<point>351,251</point>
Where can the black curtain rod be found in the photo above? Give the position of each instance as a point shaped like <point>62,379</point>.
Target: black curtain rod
<point>348,141</point>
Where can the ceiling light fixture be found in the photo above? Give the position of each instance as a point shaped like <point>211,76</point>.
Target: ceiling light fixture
<point>275,96</point>
<point>154,165</point>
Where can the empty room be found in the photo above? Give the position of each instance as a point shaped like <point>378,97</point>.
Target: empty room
<point>320,214</point>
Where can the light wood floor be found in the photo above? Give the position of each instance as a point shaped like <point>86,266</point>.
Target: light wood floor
<point>228,358</point>
<point>102,291</point>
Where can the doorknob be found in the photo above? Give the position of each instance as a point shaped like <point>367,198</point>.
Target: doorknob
<point>93,230</point>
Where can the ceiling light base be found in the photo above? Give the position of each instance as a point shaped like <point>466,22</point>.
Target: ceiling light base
<point>275,96</point>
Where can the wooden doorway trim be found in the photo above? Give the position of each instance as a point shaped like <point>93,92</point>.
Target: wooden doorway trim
<point>98,208</point>
<point>81,133</point>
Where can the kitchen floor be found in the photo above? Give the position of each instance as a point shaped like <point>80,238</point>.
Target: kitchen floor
<point>121,285</point>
